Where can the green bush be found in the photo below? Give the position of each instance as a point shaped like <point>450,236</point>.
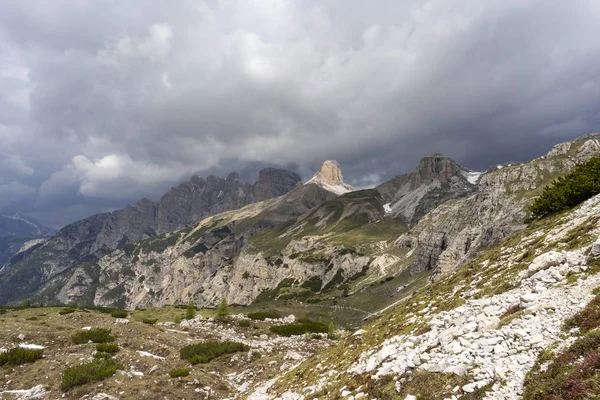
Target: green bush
<point>203,353</point>
<point>150,321</point>
<point>303,326</point>
<point>176,373</point>
<point>96,335</point>
<point>262,315</point>
<point>244,323</point>
<point>111,348</point>
<point>190,311</point>
<point>96,370</point>
<point>119,314</point>
<point>65,311</point>
<point>223,310</point>
<point>569,190</point>
<point>102,355</point>
<point>18,356</point>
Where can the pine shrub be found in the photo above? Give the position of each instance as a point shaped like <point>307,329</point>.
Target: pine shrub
<point>96,370</point>
<point>203,353</point>
<point>96,335</point>
<point>111,348</point>
<point>262,315</point>
<point>569,190</point>
<point>303,326</point>
<point>177,373</point>
<point>150,321</point>
<point>18,356</point>
<point>119,314</point>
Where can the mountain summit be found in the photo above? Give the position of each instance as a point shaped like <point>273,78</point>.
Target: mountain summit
<point>436,179</point>
<point>330,178</point>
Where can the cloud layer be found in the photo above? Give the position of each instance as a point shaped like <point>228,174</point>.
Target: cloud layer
<point>103,102</point>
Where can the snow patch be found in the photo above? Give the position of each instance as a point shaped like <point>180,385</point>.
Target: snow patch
<point>472,176</point>
<point>146,354</point>
<point>387,208</point>
<point>31,346</point>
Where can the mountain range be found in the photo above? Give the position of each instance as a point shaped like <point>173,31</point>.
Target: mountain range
<point>206,240</point>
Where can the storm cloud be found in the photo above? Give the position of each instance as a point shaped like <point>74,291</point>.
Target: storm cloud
<point>104,102</point>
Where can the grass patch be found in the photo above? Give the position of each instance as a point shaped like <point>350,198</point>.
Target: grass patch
<point>66,311</point>
<point>302,327</point>
<point>512,313</point>
<point>203,353</point>
<point>179,373</point>
<point>150,321</point>
<point>96,335</point>
<point>18,356</point>
<point>97,370</point>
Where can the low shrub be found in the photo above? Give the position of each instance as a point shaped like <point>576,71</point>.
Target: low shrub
<point>150,321</point>
<point>97,370</point>
<point>102,355</point>
<point>177,373</point>
<point>18,356</point>
<point>96,335</point>
<point>118,314</point>
<point>244,323</point>
<point>303,326</point>
<point>203,353</point>
<point>111,348</point>
<point>262,315</point>
<point>66,311</point>
<point>586,319</point>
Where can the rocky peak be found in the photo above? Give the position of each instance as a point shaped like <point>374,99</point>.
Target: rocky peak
<point>274,182</point>
<point>438,166</point>
<point>330,178</point>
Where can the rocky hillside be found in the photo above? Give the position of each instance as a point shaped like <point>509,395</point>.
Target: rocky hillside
<point>454,232</point>
<point>476,333</point>
<point>85,241</point>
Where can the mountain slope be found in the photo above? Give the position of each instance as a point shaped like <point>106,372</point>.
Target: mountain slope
<point>15,231</point>
<point>87,240</point>
<point>475,332</point>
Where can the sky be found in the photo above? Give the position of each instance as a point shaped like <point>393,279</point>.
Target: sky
<point>104,102</point>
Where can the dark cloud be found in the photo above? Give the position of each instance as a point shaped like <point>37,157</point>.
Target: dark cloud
<point>103,102</point>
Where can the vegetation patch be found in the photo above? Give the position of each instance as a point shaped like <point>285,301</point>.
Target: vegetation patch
<point>302,327</point>
<point>110,348</point>
<point>586,319</point>
<point>262,315</point>
<point>96,335</point>
<point>569,190</point>
<point>18,356</point>
<point>203,353</point>
<point>97,370</point>
<point>119,314</point>
<point>512,313</point>
<point>424,386</point>
<point>66,311</point>
<point>179,373</point>
<point>150,321</point>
